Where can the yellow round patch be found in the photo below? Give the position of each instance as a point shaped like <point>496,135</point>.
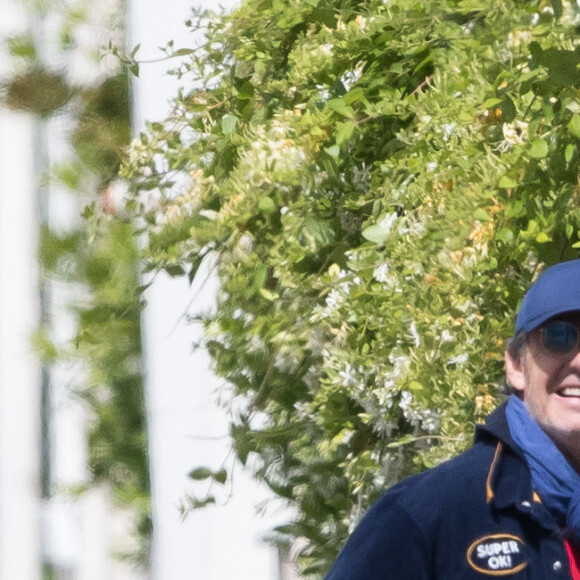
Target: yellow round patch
<point>497,555</point>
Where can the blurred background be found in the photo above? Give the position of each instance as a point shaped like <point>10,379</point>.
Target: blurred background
<point>99,423</point>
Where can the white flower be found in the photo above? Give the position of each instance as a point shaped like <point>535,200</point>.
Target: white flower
<point>361,22</point>
<point>515,133</point>
<point>388,427</point>
<point>344,283</point>
<point>246,243</point>
<point>448,130</point>
<point>255,344</point>
<point>415,228</point>
<point>323,93</point>
<point>388,221</point>
<point>381,273</point>
<point>351,77</point>
<point>406,400</point>
<point>333,301</point>
<point>270,150</point>
<point>446,336</point>
<point>348,375</point>
<point>468,28</point>
<point>458,360</point>
<point>385,396</point>
<point>430,421</point>
<point>519,37</point>
<point>400,365</point>
<point>361,176</point>
<point>286,360</point>
<point>431,166</point>
<point>414,334</point>
<point>311,378</point>
<point>326,49</point>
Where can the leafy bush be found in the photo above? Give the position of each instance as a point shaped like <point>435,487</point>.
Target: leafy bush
<point>378,181</point>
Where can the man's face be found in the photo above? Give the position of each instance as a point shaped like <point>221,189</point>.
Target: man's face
<point>550,387</point>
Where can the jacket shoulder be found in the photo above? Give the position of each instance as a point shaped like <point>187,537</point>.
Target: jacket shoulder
<point>444,486</point>
<point>401,529</point>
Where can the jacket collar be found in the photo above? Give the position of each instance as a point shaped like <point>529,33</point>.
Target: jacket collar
<point>509,480</point>
<point>497,427</point>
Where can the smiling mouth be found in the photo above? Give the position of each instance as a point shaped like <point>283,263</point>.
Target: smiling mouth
<point>569,392</point>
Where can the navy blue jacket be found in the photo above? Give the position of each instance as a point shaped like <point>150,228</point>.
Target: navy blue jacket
<point>473,517</point>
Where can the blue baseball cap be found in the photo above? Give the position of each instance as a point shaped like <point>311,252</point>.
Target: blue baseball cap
<point>555,292</point>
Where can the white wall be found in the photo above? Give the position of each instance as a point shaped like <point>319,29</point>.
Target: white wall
<point>19,316</point>
<point>19,367</point>
<point>186,427</point>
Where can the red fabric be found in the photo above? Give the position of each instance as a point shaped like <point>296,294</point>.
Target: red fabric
<point>574,558</point>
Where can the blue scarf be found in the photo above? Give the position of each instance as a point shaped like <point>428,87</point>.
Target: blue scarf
<point>553,478</point>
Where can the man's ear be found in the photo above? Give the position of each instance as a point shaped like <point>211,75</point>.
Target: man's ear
<point>514,372</point>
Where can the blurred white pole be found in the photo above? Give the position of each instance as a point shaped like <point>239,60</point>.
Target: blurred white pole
<point>20,372</point>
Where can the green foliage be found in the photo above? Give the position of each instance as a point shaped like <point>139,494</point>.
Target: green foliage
<point>37,90</point>
<point>379,181</point>
<point>108,343</point>
<point>103,128</point>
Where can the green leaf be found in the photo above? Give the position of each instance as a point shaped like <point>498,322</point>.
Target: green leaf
<point>375,234</point>
<point>229,123</point>
<point>220,476</point>
<point>542,238</point>
<point>344,132</point>
<point>491,103</point>
<point>538,149</point>
<point>333,151</point>
<point>203,473</point>
<point>318,230</point>
<point>562,66</point>
<point>572,105</point>
<point>194,503</point>
<point>200,473</point>
<point>508,109</point>
<point>505,235</point>
<point>506,182</point>
<point>174,270</point>
<point>574,126</point>
<point>341,108</point>
<point>481,215</point>
<point>266,204</point>
<point>268,295</point>
<point>354,95</point>
<point>405,440</point>
<point>569,152</point>
<point>245,90</point>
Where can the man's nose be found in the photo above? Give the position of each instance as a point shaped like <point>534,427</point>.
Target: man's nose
<point>574,361</point>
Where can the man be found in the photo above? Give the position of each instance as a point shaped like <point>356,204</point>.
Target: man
<point>509,506</point>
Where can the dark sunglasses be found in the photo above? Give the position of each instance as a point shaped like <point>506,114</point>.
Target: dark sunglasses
<point>559,337</point>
